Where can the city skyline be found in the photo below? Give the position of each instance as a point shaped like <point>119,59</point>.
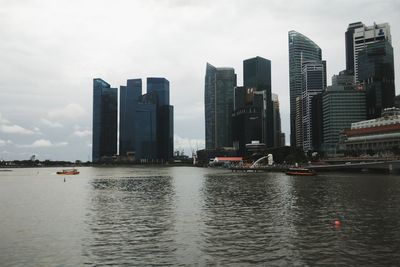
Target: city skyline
<point>49,60</point>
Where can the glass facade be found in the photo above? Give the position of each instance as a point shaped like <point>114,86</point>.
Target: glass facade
<point>105,113</point>
<point>376,74</point>
<point>277,122</point>
<point>218,99</point>
<point>146,121</point>
<point>342,105</point>
<point>301,48</point>
<point>349,43</point>
<point>257,75</point>
<point>146,127</point>
<point>161,87</point>
<point>312,85</point>
<point>129,96</point>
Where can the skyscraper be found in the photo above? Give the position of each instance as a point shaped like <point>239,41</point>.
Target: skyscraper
<point>146,128</point>
<point>146,121</point>
<point>129,97</point>
<point>257,75</point>
<point>165,127</point>
<point>161,87</point>
<point>312,85</point>
<point>376,74</point>
<point>277,122</point>
<point>218,100</point>
<point>365,35</point>
<point>342,105</point>
<point>301,49</point>
<point>248,119</point>
<point>349,44</point>
<point>105,100</point>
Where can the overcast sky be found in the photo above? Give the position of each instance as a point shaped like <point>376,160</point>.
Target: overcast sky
<point>51,50</point>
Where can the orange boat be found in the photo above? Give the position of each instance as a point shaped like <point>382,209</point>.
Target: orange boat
<point>301,172</point>
<point>68,172</point>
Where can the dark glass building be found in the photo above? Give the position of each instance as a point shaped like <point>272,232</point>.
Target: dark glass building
<point>146,128</point>
<point>301,48</point>
<point>129,97</point>
<point>248,118</point>
<point>317,130</point>
<point>146,121</point>
<point>161,87</point>
<point>349,44</point>
<point>376,74</point>
<point>165,113</point>
<point>257,75</point>
<point>105,113</point>
<point>313,80</point>
<point>218,100</point>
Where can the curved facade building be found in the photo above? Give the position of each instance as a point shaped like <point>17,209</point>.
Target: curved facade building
<point>301,48</point>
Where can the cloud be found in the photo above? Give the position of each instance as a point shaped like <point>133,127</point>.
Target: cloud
<point>82,133</point>
<point>16,129</point>
<point>5,142</point>
<point>44,143</point>
<point>51,124</point>
<point>71,111</point>
<point>3,120</point>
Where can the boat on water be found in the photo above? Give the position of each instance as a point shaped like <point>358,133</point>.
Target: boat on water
<point>300,172</point>
<point>68,172</point>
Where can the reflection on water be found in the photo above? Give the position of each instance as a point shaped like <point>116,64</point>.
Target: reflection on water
<point>189,216</point>
<point>247,218</point>
<point>131,220</point>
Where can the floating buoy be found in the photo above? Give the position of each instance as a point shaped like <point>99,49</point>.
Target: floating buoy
<point>337,223</point>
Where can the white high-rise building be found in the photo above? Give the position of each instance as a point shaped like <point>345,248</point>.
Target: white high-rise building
<point>312,84</point>
<point>365,35</point>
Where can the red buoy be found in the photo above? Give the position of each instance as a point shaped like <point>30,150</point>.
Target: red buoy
<point>337,223</point>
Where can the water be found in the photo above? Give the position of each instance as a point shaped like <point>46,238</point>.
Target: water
<point>194,216</point>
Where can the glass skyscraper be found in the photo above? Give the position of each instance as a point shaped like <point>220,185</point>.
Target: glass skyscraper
<point>342,105</point>
<point>146,121</point>
<point>129,97</point>
<point>376,74</point>
<point>312,85</point>
<point>165,126</point>
<point>301,49</point>
<point>349,42</point>
<point>105,113</point>
<point>257,75</point>
<point>218,100</point>
<point>161,87</point>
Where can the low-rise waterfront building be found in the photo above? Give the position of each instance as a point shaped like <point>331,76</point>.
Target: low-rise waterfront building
<point>377,135</point>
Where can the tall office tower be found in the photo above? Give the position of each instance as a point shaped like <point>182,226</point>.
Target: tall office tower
<point>277,121</point>
<point>349,44</point>
<point>161,87</point>
<point>301,49</point>
<point>218,100</point>
<point>299,122</point>
<point>129,97</point>
<point>342,104</point>
<point>146,127</point>
<point>165,123</point>
<point>366,35</point>
<point>317,130</point>
<point>105,113</point>
<point>312,84</point>
<point>248,118</point>
<point>257,75</point>
<point>376,74</point>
